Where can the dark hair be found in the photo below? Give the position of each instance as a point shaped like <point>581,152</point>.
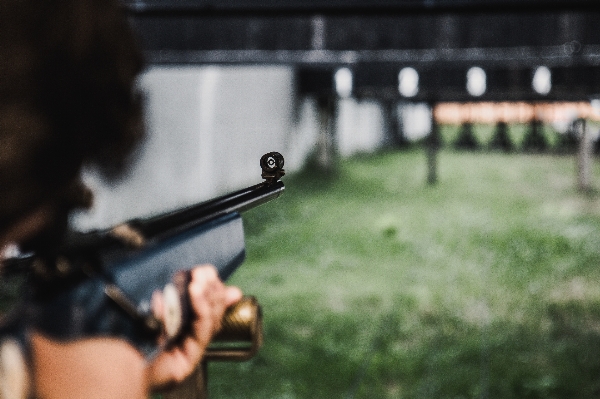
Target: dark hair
<point>68,71</point>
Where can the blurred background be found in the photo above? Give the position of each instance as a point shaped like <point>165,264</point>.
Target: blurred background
<point>440,232</point>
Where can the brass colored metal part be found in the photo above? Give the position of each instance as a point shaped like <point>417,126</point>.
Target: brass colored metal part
<point>128,235</point>
<point>40,269</point>
<point>151,323</point>
<point>241,334</point>
<point>63,267</point>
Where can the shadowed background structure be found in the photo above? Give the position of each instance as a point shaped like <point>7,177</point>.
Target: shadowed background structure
<point>436,239</point>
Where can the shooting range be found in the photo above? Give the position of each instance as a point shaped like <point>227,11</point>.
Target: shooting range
<point>439,236</point>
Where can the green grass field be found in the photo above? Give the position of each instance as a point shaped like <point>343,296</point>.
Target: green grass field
<point>485,132</point>
<point>375,285</point>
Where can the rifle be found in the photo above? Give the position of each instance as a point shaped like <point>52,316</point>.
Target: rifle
<point>102,282</point>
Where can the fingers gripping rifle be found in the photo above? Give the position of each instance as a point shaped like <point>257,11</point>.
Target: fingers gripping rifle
<point>102,282</point>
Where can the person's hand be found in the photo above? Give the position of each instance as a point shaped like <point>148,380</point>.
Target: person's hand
<point>209,298</point>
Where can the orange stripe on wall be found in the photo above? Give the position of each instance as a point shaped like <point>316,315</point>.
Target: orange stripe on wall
<point>512,112</point>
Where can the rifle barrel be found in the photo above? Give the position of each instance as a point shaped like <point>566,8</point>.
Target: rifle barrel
<point>238,201</point>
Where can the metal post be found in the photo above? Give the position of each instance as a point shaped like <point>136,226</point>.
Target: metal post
<point>326,139</point>
<point>584,156</point>
<point>433,144</point>
<point>393,130</point>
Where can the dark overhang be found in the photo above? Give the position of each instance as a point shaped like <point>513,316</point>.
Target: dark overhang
<point>281,7</point>
<point>440,39</point>
<point>556,38</point>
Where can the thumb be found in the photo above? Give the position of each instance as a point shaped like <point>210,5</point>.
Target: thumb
<point>232,295</point>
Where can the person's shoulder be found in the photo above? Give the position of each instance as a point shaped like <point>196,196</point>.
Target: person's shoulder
<point>92,368</point>
<point>14,372</point>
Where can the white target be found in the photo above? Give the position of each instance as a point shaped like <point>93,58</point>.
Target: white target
<point>408,82</point>
<point>542,80</point>
<point>476,81</point>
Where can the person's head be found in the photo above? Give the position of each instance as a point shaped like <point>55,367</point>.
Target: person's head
<point>67,97</point>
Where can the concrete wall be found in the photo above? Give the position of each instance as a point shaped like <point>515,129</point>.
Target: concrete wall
<point>207,129</point>
<point>360,126</point>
